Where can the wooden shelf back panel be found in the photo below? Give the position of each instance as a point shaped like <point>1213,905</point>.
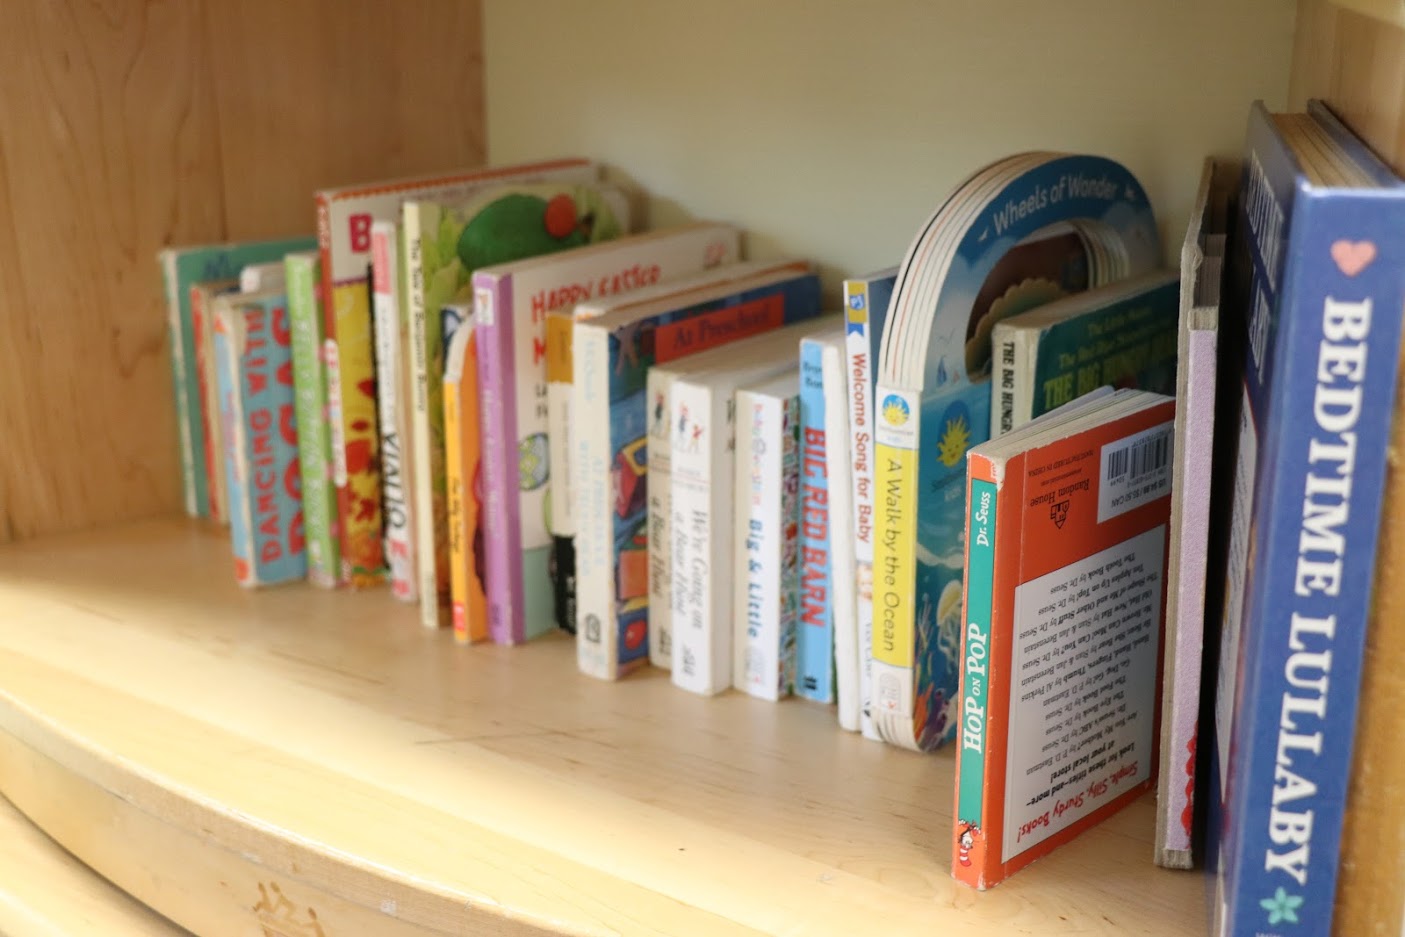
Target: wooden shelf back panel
<point>143,124</point>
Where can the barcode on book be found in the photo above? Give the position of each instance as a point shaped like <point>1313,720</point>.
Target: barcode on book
<point>1135,469</point>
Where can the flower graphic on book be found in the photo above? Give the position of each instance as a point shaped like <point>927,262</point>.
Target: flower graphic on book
<point>1282,907</point>
<point>956,439</point>
<point>533,465</point>
<point>895,410</point>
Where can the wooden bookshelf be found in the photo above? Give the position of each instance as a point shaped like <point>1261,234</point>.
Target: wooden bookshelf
<point>199,745</point>
<point>297,762</point>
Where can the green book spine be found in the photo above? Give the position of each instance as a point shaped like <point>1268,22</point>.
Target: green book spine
<point>319,496</point>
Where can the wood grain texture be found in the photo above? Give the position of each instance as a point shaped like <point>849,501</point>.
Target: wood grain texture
<point>1357,64</point>
<point>45,892</point>
<point>129,126</point>
<point>326,742</point>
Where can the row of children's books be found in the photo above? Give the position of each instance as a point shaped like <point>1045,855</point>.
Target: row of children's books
<point>1026,492</point>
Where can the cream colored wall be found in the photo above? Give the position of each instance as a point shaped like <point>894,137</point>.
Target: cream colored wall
<point>830,130</point>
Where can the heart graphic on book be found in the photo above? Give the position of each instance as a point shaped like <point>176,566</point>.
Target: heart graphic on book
<point>1353,256</point>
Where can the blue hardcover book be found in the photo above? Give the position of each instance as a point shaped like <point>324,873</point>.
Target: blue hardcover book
<point>254,370</point>
<point>1321,222</point>
<point>814,664</point>
<point>613,354</point>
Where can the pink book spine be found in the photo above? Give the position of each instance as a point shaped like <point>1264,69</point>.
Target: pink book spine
<point>497,397</point>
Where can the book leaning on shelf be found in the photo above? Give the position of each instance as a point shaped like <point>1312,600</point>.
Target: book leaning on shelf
<point>1061,643</point>
<point>1319,264</point>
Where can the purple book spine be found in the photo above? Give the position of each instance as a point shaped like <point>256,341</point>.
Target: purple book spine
<point>497,391</point>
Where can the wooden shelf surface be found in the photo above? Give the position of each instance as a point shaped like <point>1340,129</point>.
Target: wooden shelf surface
<point>307,762</point>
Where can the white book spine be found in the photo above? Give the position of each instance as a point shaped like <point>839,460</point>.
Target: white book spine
<point>595,640</point>
<point>702,657</point>
<point>843,566</point>
<point>558,447</point>
<point>660,519</point>
<point>861,443</point>
<point>765,446</point>
<point>421,483</point>
<point>1012,377</point>
<point>385,308</point>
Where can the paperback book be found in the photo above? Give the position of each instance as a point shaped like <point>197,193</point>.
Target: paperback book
<point>814,678</point>
<point>202,305</point>
<point>613,355</point>
<point>1061,646</point>
<point>344,220</point>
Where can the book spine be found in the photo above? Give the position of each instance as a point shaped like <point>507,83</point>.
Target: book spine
<point>314,441</point>
<point>843,571</point>
<point>228,326</point>
<point>756,553</point>
<point>493,312</point>
<point>180,366</point>
<point>660,518</point>
<point>895,562</point>
<point>975,846</point>
<point>858,333</point>
<point>1003,380</point>
<point>400,526</point>
<point>696,666</point>
<point>456,514</point>
<point>1307,593</point>
<point>597,625</point>
<point>331,361</point>
<point>352,388</point>
<point>815,647</point>
<point>562,525</point>
<point>471,603</point>
<point>789,528</point>
<point>209,414</point>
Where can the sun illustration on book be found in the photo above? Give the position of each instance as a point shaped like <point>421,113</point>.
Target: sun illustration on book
<point>895,410</point>
<point>955,440</point>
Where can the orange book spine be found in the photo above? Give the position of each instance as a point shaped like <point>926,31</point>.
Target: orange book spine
<point>992,523</point>
<point>462,455</point>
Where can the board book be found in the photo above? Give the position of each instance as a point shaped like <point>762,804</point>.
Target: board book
<point>1320,266</point>
<point>182,268</point>
<point>866,301</point>
<point>319,495</point>
<point>766,551</point>
<point>445,242</point>
<point>512,302</point>
<point>1197,354</point>
<point>560,369</point>
<point>462,477</point>
<point>1061,643</point>
<point>1021,232</point>
<point>344,219</point>
<point>701,404</point>
<point>814,668</point>
<point>202,306</point>
<point>848,661</point>
<point>1122,335</point>
<point>253,351</point>
<point>613,354</point>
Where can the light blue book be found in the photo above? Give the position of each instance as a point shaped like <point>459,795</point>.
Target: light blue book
<point>814,672</point>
